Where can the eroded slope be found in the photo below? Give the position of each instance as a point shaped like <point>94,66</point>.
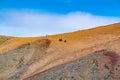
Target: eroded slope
<point>100,65</point>
<point>15,62</point>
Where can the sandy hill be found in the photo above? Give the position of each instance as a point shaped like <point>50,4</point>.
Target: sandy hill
<point>21,58</point>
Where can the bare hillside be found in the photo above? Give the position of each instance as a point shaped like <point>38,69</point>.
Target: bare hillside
<point>25,57</point>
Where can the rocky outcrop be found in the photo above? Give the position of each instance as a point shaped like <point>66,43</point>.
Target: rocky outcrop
<point>100,65</point>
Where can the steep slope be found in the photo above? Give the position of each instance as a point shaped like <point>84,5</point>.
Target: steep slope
<point>59,49</point>
<point>110,46</point>
<point>100,65</point>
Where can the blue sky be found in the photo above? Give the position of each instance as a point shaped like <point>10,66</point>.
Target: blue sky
<point>41,17</point>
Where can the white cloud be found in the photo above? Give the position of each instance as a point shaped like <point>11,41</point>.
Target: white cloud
<point>33,23</point>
